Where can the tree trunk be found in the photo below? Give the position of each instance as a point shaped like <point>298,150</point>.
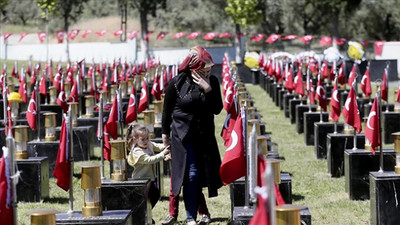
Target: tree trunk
<point>144,45</point>
<point>66,26</point>
<point>238,46</point>
<point>335,21</point>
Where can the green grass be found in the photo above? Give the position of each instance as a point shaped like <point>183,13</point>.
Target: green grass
<point>312,185</point>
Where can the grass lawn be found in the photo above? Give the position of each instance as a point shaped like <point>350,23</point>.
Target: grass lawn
<point>312,185</point>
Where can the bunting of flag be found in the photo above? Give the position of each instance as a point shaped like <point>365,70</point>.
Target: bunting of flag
<point>272,38</point>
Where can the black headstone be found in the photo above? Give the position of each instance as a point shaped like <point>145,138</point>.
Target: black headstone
<point>286,99</point>
<point>391,124</point>
<point>114,217</point>
<point>309,119</point>
<point>320,132</point>
<point>292,108</point>
<point>300,110</point>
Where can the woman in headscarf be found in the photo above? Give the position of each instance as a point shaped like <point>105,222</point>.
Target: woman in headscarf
<point>192,99</point>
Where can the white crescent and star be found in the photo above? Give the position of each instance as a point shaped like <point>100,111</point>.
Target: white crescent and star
<point>372,114</point>
<point>228,93</point>
<point>143,94</point>
<point>335,95</point>
<point>347,104</point>
<point>226,121</point>
<point>133,100</point>
<point>363,79</point>
<point>234,141</point>
<point>29,107</point>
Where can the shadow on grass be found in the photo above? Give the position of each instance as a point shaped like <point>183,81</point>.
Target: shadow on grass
<point>59,200</point>
<point>219,219</point>
<point>297,197</point>
<point>78,175</point>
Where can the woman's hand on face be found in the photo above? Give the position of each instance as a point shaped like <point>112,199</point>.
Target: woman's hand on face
<point>202,81</point>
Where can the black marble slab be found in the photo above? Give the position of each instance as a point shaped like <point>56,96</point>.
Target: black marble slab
<point>357,165</point>
<point>90,122</point>
<point>242,215</point>
<point>262,80</point>
<point>33,185</point>
<point>292,108</point>
<point>367,108</point>
<point>112,217</point>
<point>276,89</point>
<point>83,142</point>
<point>286,97</point>
<point>281,93</point>
<point>336,145</point>
<point>309,119</point>
<point>255,76</point>
<point>53,108</point>
<point>342,96</point>
<point>47,149</point>
<point>391,124</point>
<point>361,102</point>
<point>130,194</point>
<point>384,191</point>
<point>305,216</point>
<point>268,84</point>
<point>237,191</point>
<point>320,132</point>
<point>300,110</point>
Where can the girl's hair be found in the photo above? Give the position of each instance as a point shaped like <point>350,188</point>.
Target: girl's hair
<point>134,130</point>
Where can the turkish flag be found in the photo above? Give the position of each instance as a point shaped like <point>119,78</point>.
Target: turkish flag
<point>261,166</point>
<point>310,88</point>
<point>352,75</point>
<point>229,94</point>
<point>86,33</point>
<point>289,81</point>
<point>350,111</point>
<point>325,41</point>
<point>162,35</point>
<point>385,86</point>
<point>335,104</point>
<point>398,95</point>
<point>61,101</point>
<point>341,41</point>
<point>156,90</point>
<point>22,87</point>
<point>229,123</point>
<point>42,36</point>
<point>131,113</point>
<point>113,119</point>
<point>132,34</point>
<point>257,37</point>
<point>118,32</point>
<point>14,71</point>
<point>6,209</point>
<point>31,111</point>
<point>73,33</point>
<point>306,39</point>
<point>366,83</point>
<point>341,77</point>
<point>73,96</point>
<point>234,162</point>
<point>144,97</point>
<point>101,32</point>
<point>210,36</point>
<point>225,35</point>
<point>42,85</point>
<point>104,84</point>
<point>57,80</point>
<point>107,145</point>
<point>28,69</point>
<point>193,35</point>
<point>272,38</point>
<point>178,35</point>
<point>22,35</point>
<point>372,128</point>
<point>290,37</point>
<point>62,170</point>
<point>6,36</point>
<point>324,69</point>
<point>298,83</point>
<point>379,47</point>
<point>320,94</point>
<point>60,36</point>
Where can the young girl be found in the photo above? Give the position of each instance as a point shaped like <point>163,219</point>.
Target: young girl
<point>143,159</point>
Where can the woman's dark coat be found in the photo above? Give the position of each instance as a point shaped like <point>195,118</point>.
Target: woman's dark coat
<point>189,115</point>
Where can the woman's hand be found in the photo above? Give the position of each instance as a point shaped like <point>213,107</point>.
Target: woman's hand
<point>202,81</point>
<point>165,140</point>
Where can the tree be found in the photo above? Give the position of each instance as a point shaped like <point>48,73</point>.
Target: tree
<point>146,7</point>
<point>22,12</point>
<point>242,13</point>
<point>68,10</point>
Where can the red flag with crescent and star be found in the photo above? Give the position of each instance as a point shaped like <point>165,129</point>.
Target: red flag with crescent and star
<point>350,111</point>
<point>31,111</point>
<point>366,83</point>
<point>372,127</point>
<point>335,104</point>
<point>144,97</point>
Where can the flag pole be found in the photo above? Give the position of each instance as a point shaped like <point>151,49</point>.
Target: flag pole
<point>10,142</point>
<point>119,101</point>
<point>5,99</point>
<point>387,84</point>
<point>354,85</point>
<point>379,108</point>
<point>336,83</point>
<point>37,109</point>
<point>308,89</point>
<point>71,160</point>
<point>101,134</point>
<point>269,183</point>
<point>246,177</point>
<point>252,163</point>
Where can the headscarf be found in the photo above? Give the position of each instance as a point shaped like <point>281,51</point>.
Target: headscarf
<point>198,58</point>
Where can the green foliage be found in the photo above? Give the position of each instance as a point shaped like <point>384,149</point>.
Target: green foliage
<point>22,12</point>
<point>243,12</point>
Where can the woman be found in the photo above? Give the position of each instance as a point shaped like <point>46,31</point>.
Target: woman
<point>192,99</point>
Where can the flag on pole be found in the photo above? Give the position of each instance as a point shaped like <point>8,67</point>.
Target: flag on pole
<point>234,162</point>
<point>385,86</point>
<point>42,36</point>
<point>352,75</point>
<point>144,98</point>
<point>372,128</point>
<point>22,86</point>
<point>298,83</point>
<point>366,83</point>
<point>60,36</point>
<point>31,111</point>
<point>61,99</point>
<point>156,90</point>
<point>131,113</point>
<point>6,209</point>
<point>335,104</point>
<point>341,77</point>
<point>63,166</point>
<point>42,85</point>
<point>73,96</point>
<point>350,110</point>
<point>113,119</point>
<point>320,94</point>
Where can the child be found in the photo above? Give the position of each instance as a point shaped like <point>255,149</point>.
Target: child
<point>143,158</point>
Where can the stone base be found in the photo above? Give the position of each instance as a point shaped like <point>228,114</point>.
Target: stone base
<point>320,132</point>
<point>281,93</point>
<point>300,110</point>
<point>384,192</point>
<point>286,98</point>
<point>130,194</point>
<point>391,124</point>
<point>83,142</point>
<point>242,215</point>
<point>33,185</point>
<point>90,122</point>
<point>358,163</point>
<point>309,119</point>
<point>336,145</point>
<point>292,108</point>
<point>45,149</point>
<point>114,217</point>
<point>285,187</point>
